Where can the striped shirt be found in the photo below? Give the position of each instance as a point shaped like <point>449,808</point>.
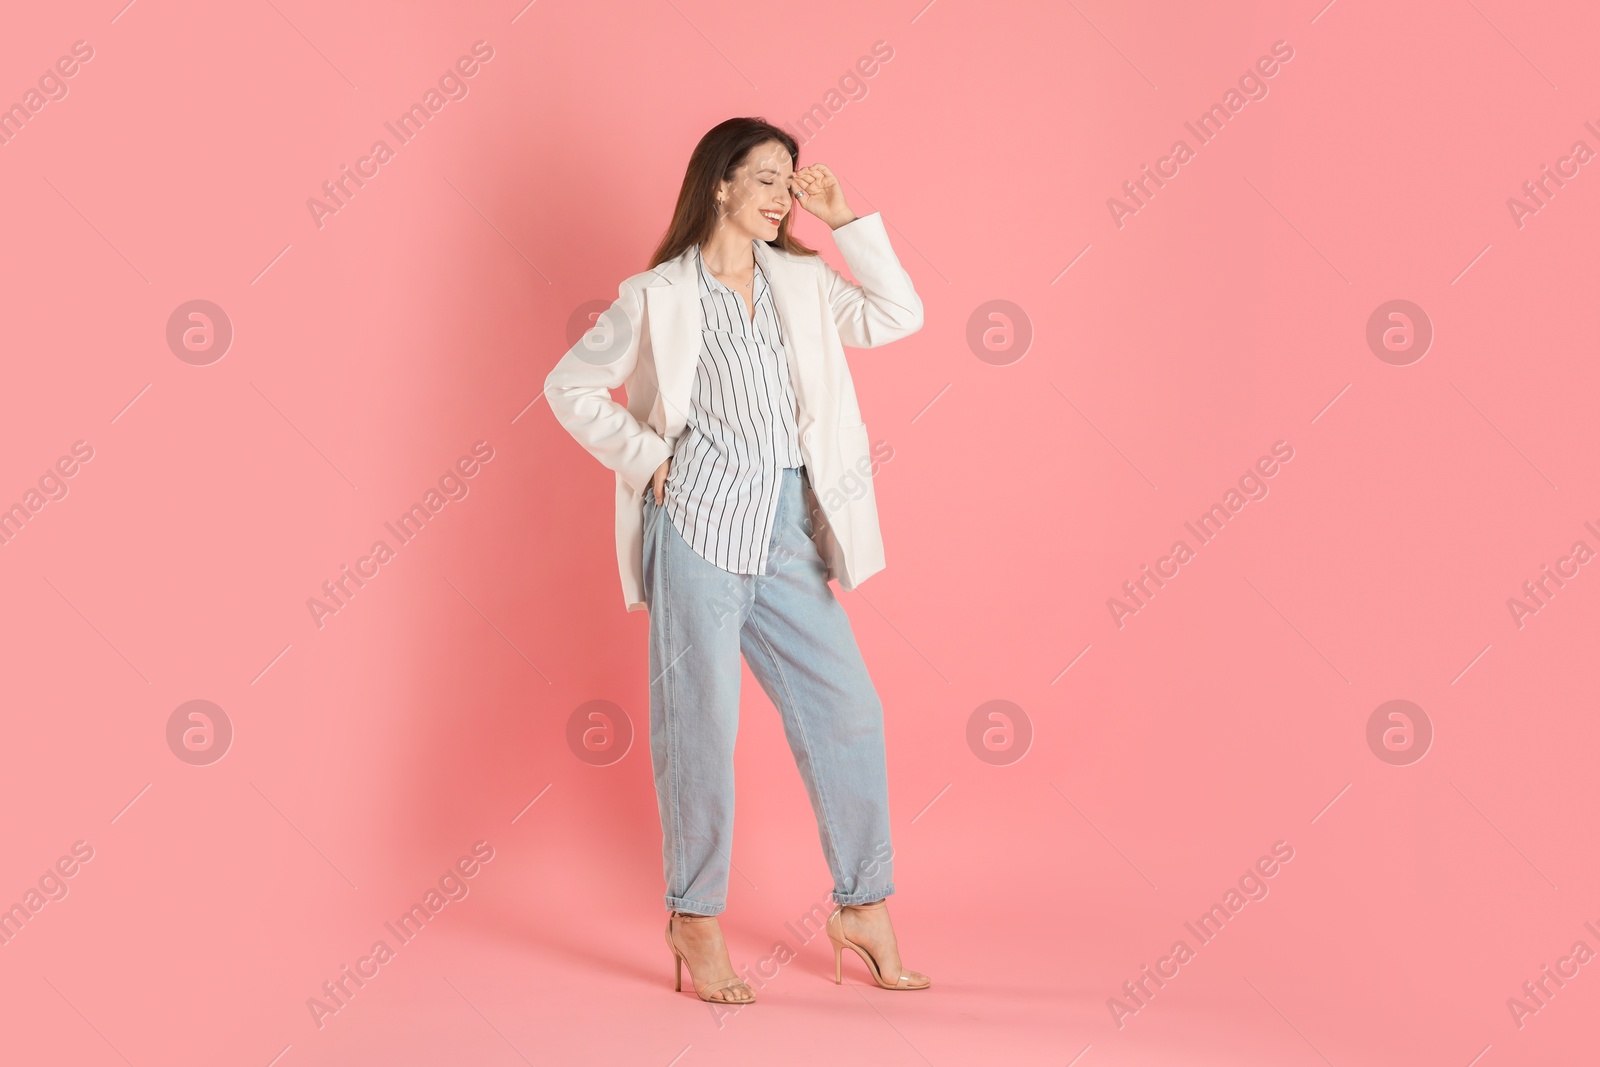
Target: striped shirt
<point>722,486</point>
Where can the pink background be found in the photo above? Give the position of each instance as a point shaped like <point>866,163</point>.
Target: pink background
<point>1230,713</point>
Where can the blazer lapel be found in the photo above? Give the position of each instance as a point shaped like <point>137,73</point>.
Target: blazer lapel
<point>672,304</point>
<point>795,298</point>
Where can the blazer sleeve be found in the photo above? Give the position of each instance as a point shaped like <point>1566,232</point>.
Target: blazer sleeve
<point>885,306</point>
<point>578,389</point>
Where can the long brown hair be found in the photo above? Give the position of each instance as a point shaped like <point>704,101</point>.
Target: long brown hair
<point>716,159</point>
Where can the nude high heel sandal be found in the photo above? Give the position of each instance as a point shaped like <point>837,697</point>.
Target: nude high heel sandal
<point>905,980</point>
<point>720,992</point>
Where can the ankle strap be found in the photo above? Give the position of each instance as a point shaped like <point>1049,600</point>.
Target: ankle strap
<point>691,917</point>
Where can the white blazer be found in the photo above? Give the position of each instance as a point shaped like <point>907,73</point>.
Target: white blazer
<point>649,341</point>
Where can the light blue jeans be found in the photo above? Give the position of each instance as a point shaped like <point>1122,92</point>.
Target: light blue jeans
<point>796,637</point>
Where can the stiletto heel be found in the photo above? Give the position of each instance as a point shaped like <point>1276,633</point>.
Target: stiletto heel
<point>715,992</point>
<point>677,984</point>
<point>904,980</point>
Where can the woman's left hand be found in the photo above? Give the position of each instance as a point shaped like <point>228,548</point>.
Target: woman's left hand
<point>820,193</point>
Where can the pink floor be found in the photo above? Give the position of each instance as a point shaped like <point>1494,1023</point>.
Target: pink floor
<point>1414,516</point>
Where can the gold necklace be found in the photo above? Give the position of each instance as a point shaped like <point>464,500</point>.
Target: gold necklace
<point>742,285</point>
<point>719,274</point>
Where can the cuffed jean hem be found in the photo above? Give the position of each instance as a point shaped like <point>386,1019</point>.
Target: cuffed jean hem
<point>694,907</point>
<point>866,896</point>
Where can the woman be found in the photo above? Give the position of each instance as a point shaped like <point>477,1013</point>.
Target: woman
<point>743,434</point>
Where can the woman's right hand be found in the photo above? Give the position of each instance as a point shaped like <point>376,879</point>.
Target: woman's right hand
<point>658,482</point>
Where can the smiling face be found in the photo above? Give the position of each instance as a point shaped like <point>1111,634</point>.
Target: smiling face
<point>758,197</point>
